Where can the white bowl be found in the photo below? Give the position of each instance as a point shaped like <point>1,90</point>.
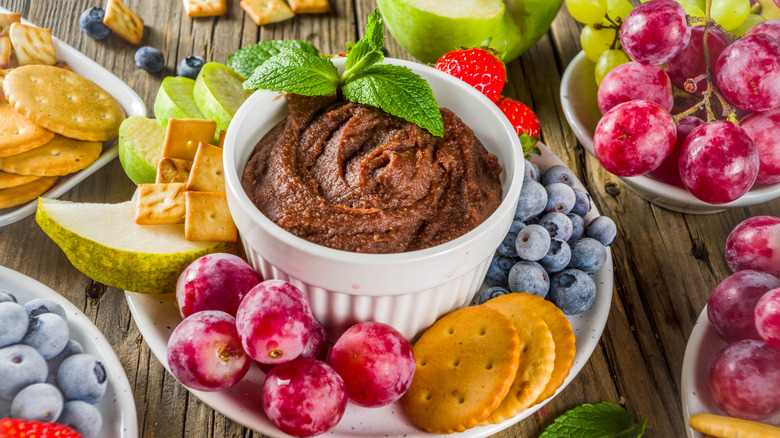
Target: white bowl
<point>578,98</point>
<point>406,290</point>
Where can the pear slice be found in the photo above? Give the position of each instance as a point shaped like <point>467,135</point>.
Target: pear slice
<point>140,146</point>
<point>174,100</point>
<point>218,92</point>
<point>104,242</point>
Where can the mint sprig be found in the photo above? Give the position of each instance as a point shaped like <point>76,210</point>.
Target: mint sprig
<point>247,59</point>
<point>603,420</point>
<point>392,88</point>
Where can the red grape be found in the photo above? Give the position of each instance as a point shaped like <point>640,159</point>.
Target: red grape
<point>634,137</point>
<point>768,318</point>
<point>669,172</point>
<point>732,304</point>
<point>755,244</point>
<point>769,27</point>
<point>718,162</point>
<point>689,63</point>
<point>654,32</point>
<point>635,81</point>
<point>214,282</point>
<point>748,73</point>
<point>764,129</point>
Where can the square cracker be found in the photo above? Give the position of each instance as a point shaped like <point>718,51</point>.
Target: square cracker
<point>122,20</point>
<point>184,135</point>
<point>6,20</point>
<point>5,52</point>
<point>173,170</point>
<point>267,11</point>
<point>160,204</point>
<point>205,8</point>
<point>32,45</point>
<point>309,6</point>
<point>208,218</point>
<point>207,174</point>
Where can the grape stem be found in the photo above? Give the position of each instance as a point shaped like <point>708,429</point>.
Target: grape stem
<point>615,25</point>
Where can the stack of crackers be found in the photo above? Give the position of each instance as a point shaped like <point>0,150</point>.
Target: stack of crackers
<point>52,121</point>
<point>273,11</point>
<point>190,185</point>
<point>485,364</point>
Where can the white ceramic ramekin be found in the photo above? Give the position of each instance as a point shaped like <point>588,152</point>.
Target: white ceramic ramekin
<point>406,290</point>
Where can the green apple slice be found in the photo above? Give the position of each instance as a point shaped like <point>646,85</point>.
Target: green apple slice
<point>219,92</point>
<point>174,100</point>
<point>140,146</point>
<point>104,242</point>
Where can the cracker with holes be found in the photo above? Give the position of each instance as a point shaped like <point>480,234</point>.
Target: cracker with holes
<point>8,180</point>
<point>160,204</point>
<point>310,6</point>
<point>60,156</point>
<point>6,50</point>
<point>17,133</point>
<point>205,8</point>
<point>207,174</point>
<point>124,21</point>
<point>173,170</point>
<point>184,135</point>
<point>208,218</point>
<point>63,102</point>
<point>32,45</point>
<point>24,193</point>
<point>267,11</point>
<point>466,363</point>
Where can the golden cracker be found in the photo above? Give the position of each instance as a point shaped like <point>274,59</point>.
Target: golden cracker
<point>124,21</point>
<point>8,180</point>
<point>60,156</point>
<point>184,135</point>
<point>173,170</point>
<point>64,102</point>
<point>6,49</point>
<point>730,427</point>
<point>267,11</point>
<point>160,204</point>
<point>205,8</point>
<point>466,362</point>
<point>221,141</point>
<point>17,133</point>
<point>207,174</point>
<point>25,193</point>
<point>208,218</point>
<point>309,6</point>
<point>32,45</point>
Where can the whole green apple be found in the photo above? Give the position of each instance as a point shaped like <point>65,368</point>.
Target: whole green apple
<point>430,28</point>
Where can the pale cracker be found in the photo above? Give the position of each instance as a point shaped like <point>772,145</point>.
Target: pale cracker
<point>267,11</point>
<point>205,8</point>
<point>6,20</point>
<point>208,218</point>
<point>60,156</point>
<point>32,45</point>
<point>159,204</point>
<point>17,133</point>
<point>184,135</point>
<point>124,21</point>
<point>5,52</point>
<point>309,6</point>
<point>207,174</point>
<point>173,170</point>
<point>8,180</point>
<point>466,362</point>
<point>730,427</point>
<point>64,102</point>
<point>24,193</point>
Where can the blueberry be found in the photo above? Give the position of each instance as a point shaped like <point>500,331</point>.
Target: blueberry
<point>602,229</point>
<point>20,365</point>
<point>577,226</point>
<point>516,226</point>
<point>14,323</point>
<point>38,306</point>
<point>560,198</point>
<point>507,246</point>
<point>91,23</point>
<point>557,257</point>
<point>83,417</point>
<point>82,377</point>
<point>47,333</point>
<point>71,348</point>
<point>532,200</point>
<point>38,402</point>
<point>558,225</point>
<point>532,242</point>
<point>572,291</point>
<point>489,293</point>
<point>587,255</point>
<point>581,202</point>
<point>149,59</point>
<point>528,277</point>
<point>7,296</point>
<point>498,270</point>
<point>190,66</point>
<point>558,174</point>
<point>534,173</point>
<point>529,172</point>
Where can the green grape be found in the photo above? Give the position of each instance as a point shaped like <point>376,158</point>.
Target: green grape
<point>617,9</point>
<point>769,10</point>
<point>587,11</point>
<point>730,13</point>
<point>752,20</point>
<point>609,60</point>
<point>595,41</point>
<point>693,7</point>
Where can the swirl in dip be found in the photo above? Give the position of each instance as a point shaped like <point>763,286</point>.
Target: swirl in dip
<point>352,177</point>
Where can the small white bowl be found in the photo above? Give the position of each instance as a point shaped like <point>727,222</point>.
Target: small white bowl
<point>406,290</point>
<point>578,98</point>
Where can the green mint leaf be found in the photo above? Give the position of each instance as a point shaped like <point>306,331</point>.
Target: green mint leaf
<point>398,91</point>
<point>375,31</point>
<point>247,59</point>
<point>296,71</point>
<point>367,51</point>
<point>603,420</point>
<point>529,145</point>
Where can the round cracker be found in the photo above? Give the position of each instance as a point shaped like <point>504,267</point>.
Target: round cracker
<point>466,363</point>
<point>63,102</point>
<point>562,334</point>
<point>17,133</point>
<point>8,180</point>
<point>24,193</point>
<point>60,156</point>
<point>536,364</point>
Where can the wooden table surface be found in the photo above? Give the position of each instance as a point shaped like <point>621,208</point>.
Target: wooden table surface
<point>666,263</point>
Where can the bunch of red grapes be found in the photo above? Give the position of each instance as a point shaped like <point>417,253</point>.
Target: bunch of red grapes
<point>724,136</point>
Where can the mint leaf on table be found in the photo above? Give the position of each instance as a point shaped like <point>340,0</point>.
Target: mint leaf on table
<point>296,71</point>
<point>247,59</point>
<point>400,92</point>
<point>603,420</point>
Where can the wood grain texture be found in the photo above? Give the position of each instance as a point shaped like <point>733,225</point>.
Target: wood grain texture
<point>666,263</point>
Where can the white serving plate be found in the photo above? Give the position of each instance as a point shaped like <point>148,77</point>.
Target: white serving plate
<point>703,345</point>
<point>157,315</point>
<point>130,101</point>
<point>580,107</point>
<point>118,405</point>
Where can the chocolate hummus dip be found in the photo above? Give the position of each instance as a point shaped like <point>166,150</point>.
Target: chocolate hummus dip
<point>352,177</point>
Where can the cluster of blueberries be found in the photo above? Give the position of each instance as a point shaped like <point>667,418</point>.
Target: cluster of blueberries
<point>549,250</point>
<point>46,376</point>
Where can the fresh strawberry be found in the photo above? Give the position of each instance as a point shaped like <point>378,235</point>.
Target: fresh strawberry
<point>17,428</point>
<point>524,121</point>
<point>479,67</point>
